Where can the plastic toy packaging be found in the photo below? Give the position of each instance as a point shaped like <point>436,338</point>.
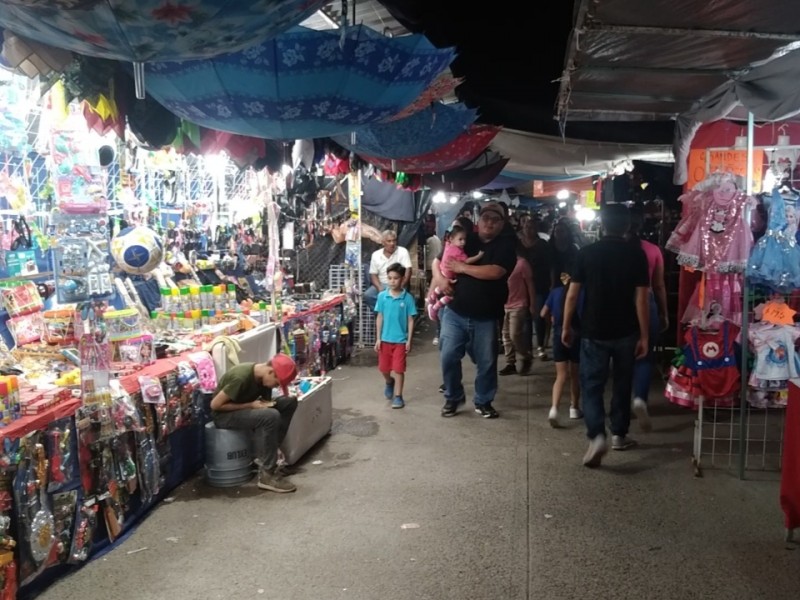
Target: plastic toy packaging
<point>149,462</point>
<point>22,299</point>
<point>64,505</point>
<point>206,372</point>
<point>59,443</point>
<point>59,327</point>
<point>26,329</point>
<point>152,392</point>
<point>35,521</point>
<point>125,465</point>
<point>124,412</point>
<point>85,525</point>
<point>82,270</point>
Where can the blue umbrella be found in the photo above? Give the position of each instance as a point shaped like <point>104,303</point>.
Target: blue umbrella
<point>422,132</point>
<point>145,30</point>
<point>301,84</point>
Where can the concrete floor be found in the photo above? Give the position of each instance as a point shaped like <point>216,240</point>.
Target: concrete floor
<point>493,510</point>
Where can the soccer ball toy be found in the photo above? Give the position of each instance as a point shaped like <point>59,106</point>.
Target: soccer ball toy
<point>137,250</point>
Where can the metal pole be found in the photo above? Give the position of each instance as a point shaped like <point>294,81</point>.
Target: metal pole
<point>745,313</point>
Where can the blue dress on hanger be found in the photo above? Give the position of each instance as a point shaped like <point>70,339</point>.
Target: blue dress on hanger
<point>775,260</point>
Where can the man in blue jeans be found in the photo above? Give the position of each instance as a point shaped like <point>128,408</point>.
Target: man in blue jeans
<point>614,326</point>
<point>469,322</point>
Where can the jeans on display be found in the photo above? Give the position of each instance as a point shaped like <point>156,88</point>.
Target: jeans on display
<point>643,368</point>
<point>477,338</point>
<point>596,359</point>
<point>269,427</point>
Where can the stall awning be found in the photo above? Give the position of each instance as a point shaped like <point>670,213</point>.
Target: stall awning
<point>545,157</point>
<point>680,59</point>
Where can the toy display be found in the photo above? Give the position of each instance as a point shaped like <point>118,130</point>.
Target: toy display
<point>137,250</point>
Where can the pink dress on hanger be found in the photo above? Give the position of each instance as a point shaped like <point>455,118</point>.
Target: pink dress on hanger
<point>692,211</point>
<point>721,240</point>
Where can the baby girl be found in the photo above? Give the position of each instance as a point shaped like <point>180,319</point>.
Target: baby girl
<point>453,250</point>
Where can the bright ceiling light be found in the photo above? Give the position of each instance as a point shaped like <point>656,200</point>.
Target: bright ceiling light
<point>453,199</point>
<point>562,205</point>
<point>439,198</point>
<point>585,214</point>
<point>562,194</point>
<point>477,195</point>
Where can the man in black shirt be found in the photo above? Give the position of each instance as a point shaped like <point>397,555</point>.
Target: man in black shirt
<point>469,321</point>
<point>614,327</point>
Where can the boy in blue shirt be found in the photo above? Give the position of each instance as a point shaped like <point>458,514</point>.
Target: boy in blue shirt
<point>394,325</point>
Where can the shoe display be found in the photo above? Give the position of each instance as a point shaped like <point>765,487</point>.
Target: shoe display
<point>388,390</point>
<point>552,417</point>
<point>597,450</point>
<point>398,402</point>
<point>486,411</point>
<point>508,370</point>
<point>274,483</point>
<point>575,413</point>
<point>622,442</point>
<point>639,408</point>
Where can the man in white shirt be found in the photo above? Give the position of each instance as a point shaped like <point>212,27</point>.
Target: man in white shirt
<point>381,259</point>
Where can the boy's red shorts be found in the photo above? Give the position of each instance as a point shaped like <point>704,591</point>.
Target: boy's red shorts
<point>392,357</point>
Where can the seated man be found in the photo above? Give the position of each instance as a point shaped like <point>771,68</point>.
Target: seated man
<point>243,400</point>
<point>381,259</point>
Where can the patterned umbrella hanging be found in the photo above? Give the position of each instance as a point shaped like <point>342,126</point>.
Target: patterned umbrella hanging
<point>459,152</point>
<point>302,84</point>
<point>146,30</point>
<point>422,132</point>
<point>444,85</point>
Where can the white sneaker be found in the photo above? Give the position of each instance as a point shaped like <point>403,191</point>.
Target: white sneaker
<point>575,413</point>
<point>597,450</point>
<point>436,341</point>
<point>639,408</point>
<point>553,417</point>
<point>622,442</point>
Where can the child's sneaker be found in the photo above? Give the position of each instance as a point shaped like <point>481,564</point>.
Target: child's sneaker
<point>398,402</point>
<point>552,417</point>
<point>388,391</point>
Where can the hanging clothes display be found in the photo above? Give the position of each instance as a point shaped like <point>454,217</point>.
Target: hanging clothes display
<point>775,261</point>
<point>713,235</point>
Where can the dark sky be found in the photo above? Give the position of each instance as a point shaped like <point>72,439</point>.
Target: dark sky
<point>511,54</point>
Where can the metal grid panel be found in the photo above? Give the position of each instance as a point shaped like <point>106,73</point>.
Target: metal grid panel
<point>717,438</point>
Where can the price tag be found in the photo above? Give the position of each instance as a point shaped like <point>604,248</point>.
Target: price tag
<point>778,313</point>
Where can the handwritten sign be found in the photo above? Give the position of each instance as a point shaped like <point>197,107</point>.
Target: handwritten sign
<point>778,313</point>
<point>725,161</point>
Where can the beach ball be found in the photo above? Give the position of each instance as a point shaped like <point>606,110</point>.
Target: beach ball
<point>137,250</point>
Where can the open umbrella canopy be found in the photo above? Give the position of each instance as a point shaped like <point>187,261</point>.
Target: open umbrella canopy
<point>459,152</point>
<point>301,84</point>
<point>422,132</point>
<point>144,30</point>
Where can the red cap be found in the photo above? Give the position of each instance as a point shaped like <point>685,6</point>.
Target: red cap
<point>285,371</point>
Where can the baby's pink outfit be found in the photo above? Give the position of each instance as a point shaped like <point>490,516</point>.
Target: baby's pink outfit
<point>437,299</point>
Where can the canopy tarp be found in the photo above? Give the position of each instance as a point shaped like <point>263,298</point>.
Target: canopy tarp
<point>547,157</point>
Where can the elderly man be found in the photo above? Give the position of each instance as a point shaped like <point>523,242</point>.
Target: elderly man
<point>469,321</point>
<point>381,259</point>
